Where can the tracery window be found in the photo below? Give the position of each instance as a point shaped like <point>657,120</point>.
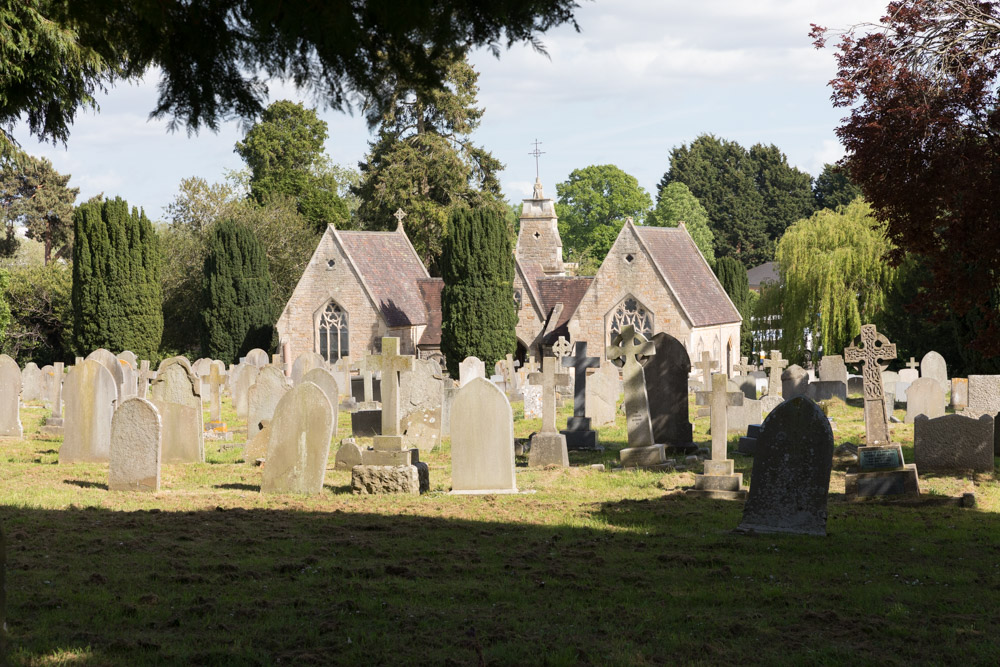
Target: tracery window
<point>333,333</point>
<point>631,311</point>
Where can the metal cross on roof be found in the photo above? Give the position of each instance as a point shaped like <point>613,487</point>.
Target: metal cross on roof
<point>536,153</point>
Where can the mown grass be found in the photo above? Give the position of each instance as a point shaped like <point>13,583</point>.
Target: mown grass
<point>592,568</point>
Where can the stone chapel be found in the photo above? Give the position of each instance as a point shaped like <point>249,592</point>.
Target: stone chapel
<point>360,286</point>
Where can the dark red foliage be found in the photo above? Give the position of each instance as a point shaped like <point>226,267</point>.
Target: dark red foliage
<point>923,143</point>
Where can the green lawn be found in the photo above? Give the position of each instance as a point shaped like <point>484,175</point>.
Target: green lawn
<point>592,568</point>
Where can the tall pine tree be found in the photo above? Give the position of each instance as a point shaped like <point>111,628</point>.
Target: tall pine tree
<point>733,276</point>
<point>237,314</point>
<point>116,280</point>
<point>477,302</point>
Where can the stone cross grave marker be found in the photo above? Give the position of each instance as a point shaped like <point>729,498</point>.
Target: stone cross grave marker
<point>774,365</point>
<point>720,479</point>
<point>746,382</point>
<point>913,364</point>
<point>391,363</point>
<point>706,365</point>
<point>875,347</point>
<point>561,348</point>
<point>578,433</point>
<point>744,367</point>
<point>549,446</point>
<point>510,366</point>
<point>145,375</point>
<point>624,346</point>
<point>216,376</point>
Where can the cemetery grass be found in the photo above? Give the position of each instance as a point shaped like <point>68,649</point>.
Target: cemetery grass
<point>591,568</point>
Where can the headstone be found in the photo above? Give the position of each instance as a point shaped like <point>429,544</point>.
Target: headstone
<point>255,449</point>
<point>744,381</point>
<point>959,393</point>
<point>263,397</point>
<point>135,447</point>
<point>482,441</point>
<point>740,417</point>
<point>145,375</point>
<point>247,375</point>
<point>984,394</point>
<point>130,374</point>
<point>31,383</point>
<point>579,434</point>
<point>548,447</point>
<point>54,423</point>
<point>470,368</point>
<point>774,365</point>
<point>341,372</point>
<point>666,374</point>
<point>794,382</point>
<point>532,401</point>
<point>953,443</point>
<point>826,390</point>
<point>706,366</point>
<point>421,395</point>
<point>935,367</point>
<point>924,397</point>
<point>642,450</point>
<point>324,379</point>
<point>348,455</point>
<point>176,393</point>
<point>299,447</point>
<point>257,357</point>
<point>110,362</point>
<point>48,377</point>
<point>832,369</point>
<point>305,363</point>
<point>720,480</point>
<point>508,368</point>
<point>202,367</point>
<point>855,385</point>
<point>870,349</point>
<point>10,393</point>
<point>286,361</point>
<point>792,463</point>
<point>215,378</point>
<point>89,392</point>
<point>603,390</point>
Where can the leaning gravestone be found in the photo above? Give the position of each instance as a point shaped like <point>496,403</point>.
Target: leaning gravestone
<point>10,392</point>
<point>935,367</point>
<point>794,382</point>
<point>297,451</point>
<point>258,357</point>
<point>263,397</point>
<point>666,374</point>
<point>247,376</point>
<point>110,362</point>
<point>176,393</point>
<point>324,379</point>
<point>305,363</point>
<point>790,481</point>
<point>924,397</point>
<point>953,443</point>
<point>135,447</point>
<point>482,441</point>
<point>31,383</point>
<point>471,367</point>
<point>89,392</point>
<point>604,387</point>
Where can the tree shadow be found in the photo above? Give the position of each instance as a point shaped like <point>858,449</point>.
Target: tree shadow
<point>236,486</point>
<point>84,484</point>
<point>47,451</point>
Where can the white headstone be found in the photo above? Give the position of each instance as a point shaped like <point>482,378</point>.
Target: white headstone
<point>482,440</point>
<point>470,368</point>
<point>136,433</point>
<point>89,394</point>
<point>10,398</point>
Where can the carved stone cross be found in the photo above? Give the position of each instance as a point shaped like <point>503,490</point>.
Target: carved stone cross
<point>580,362</point>
<point>391,363</point>
<point>215,379</point>
<point>549,379</point>
<point>399,215</point>
<point>720,398</point>
<point>913,364</point>
<point>774,366</point>
<point>561,348</point>
<point>145,375</point>
<point>624,346</point>
<point>875,347</point>
<point>706,365</point>
<point>744,367</point>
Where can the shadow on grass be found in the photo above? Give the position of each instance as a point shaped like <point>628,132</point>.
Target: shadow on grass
<point>47,451</point>
<point>235,486</point>
<point>84,484</point>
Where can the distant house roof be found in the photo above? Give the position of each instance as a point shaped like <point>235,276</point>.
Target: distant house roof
<point>391,271</point>
<point>679,261</point>
<point>765,273</point>
<point>430,291</point>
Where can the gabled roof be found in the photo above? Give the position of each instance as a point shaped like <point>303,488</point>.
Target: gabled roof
<point>430,292</point>
<point>688,275</point>
<point>567,290</point>
<point>765,273</point>
<point>389,270</point>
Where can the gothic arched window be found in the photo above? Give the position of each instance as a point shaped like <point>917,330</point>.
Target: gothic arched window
<point>631,311</point>
<point>333,333</point>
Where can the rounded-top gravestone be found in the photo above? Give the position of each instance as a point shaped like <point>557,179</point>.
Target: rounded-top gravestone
<point>10,398</point>
<point>31,382</point>
<point>305,363</point>
<point>482,440</point>
<point>258,357</point>
<point>176,393</point>
<point>263,397</point>
<point>324,379</point>
<point>935,367</point>
<point>89,394</point>
<point>110,362</point>
<point>666,375</point>
<point>299,443</point>
<point>135,447</point>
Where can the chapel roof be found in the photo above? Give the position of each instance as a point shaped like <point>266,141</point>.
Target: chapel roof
<point>391,271</point>
<point>696,288</point>
<point>567,290</point>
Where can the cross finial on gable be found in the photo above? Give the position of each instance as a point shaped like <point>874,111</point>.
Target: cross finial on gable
<point>399,215</point>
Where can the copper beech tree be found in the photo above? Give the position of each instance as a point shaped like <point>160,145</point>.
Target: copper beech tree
<point>923,143</point>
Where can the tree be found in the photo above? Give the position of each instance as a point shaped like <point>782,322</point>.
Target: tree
<point>750,196</point>
<point>676,204</point>
<point>424,161</point>
<point>39,297</point>
<point>593,204</point>
<point>215,57</point>
<point>284,152</point>
<point>237,314</point>
<point>477,304</point>
<point>733,276</point>
<point>116,279</point>
<point>35,194</point>
<point>833,188</point>
<point>834,277</point>
<point>922,144</point>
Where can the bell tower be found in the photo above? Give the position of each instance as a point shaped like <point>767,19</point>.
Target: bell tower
<point>538,242</point>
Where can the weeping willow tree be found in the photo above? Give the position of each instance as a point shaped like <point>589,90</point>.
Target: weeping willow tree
<point>834,277</point>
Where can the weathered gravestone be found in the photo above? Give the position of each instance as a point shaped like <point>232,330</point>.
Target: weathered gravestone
<point>935,367</point>
<point>421,395</point>
<point>740,417</point>
<point>54,422</point>
<point>136,434</point>
<point>984,394</point>
<point>257,357</point>
<point>889,380</point>
<point>746,382</point>
<point>824,390</point>
<point>110,362</point>
<point>579,434</point>
<point>642,450</point>
<point>246,376</point>
<point>10,394</point>
<point>774,365</point>
<point>832,369</point>
<point>89,392</point>
<point>904,378</point>
<point>202,367</point>
<point>305,363</point>
<point>924,397</point>
<point>794,382</point>
<point>471,367</point>
<point>532,401</point>
<point>214,379</point>
<point>666,374</point>
<point>548,447</point>
<point>130,373</point>
<point>324,379</point>
<point>263,397</point>
<point>706,366</point>
<point>959,393</point>
<point>953,443</point>
<point>482,441</point>
<point>48,377</point>
<point>176,393</point>
<point>299,446</point>
<point>603,390</point>
<point>31,382</point>
<point>792,462</point>
<point>720,480</point>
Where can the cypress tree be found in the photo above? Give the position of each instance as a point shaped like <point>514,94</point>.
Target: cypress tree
<point>477,302</point>
<point>733,276</point>
<point>116,280</point>
<point>236,314</point>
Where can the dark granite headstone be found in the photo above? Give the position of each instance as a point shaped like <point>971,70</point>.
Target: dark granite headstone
<point>791,471</point>
<point>358,389</point>
<point>366,423</point>
<point>666,385</point>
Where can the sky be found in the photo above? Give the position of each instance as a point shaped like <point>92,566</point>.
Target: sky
<point>640,78</point>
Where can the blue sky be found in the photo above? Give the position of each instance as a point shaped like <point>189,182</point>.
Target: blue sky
<point>642,77</point>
